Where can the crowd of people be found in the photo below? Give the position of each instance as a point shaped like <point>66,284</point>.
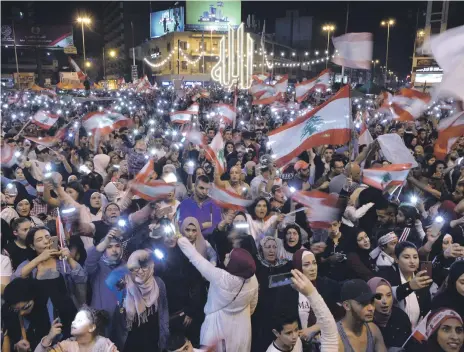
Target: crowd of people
<point>88,264</point>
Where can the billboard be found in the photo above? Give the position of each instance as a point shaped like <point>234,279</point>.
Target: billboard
<point>60,36</point>
<point>167,21</point>
<point>213,15</point>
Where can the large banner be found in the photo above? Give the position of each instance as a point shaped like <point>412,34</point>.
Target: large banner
<point>167,21</point>
<point>213,15</point>
<point>45,36</point>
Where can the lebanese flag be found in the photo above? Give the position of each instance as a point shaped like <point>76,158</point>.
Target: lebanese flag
<point>328,123</point>
<point>420,331</point>
<point>449,131</point>
<point>409,104</point>
<point>260,77</point>
<point>44,119</point>
<point>271,93</point>
<point>303,89</point>
<point>105,121</point>
<point>322,207</point>
<point>9,155</point>
<point>215,152</point>
<point>76,67</point>
<point>354,50</point>
<point>365,137</point>
<point>49,141</point>
<point>228,199</point>
<point>226,112</point>
<point>186,115</point>
<point>386,176</point>
<point>196,137</point>
<point>146,185</point>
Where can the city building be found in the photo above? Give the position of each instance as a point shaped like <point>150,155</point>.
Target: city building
<point>294,31</point>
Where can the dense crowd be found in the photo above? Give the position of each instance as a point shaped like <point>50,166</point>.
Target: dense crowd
<point>88,264</point>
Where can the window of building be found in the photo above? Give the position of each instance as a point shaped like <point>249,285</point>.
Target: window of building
<point>183,45</point>
<point>170,66</point>
<point>168,47</point>
<point>184,65</point>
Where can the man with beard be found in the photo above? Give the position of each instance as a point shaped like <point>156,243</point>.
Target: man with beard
<point>357,330</point>
<point>386,219</point>
<point>337,164</point>
<point>201,207</point>
<point>301,179</point>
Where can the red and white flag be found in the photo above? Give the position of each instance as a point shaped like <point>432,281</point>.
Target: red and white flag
<point>228,199</point>
<point>185,116</point>
<point>354,50</point>
<point>146,185</point>
<point>449,130</point>
<point>322,207</point>
<point>44,119</point>
<point>196,137</point>
<point>105,121</point>
<point>49,141</point>
<point>420,331</point>
<point>365,137</point>
<point>303,89</point>
<point>60,232</point>
<point>226,112</point>
<point>384,177</point>
<point>9,155</point>
<point>409,104</point>
<point>76,67</point>
<point>215,152</point>
<point>261,77</point>
<point>328,123</point>
<point>271,93</point>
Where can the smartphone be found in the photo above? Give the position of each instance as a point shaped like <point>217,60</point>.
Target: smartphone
<point>427,266</point>
<point>280,280</point>
<point>55,240</point>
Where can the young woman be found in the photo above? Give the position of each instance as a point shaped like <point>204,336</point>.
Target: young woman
<point>358,259</point>
<point>232,298</point>
<point>452,296</point>
<point>143,320</point>
<point>409,228</point>
<point>93,201</point>
<point>393,322</point>
<point>259,223</point>
<point>86,329</point>
<point>190,228</point>
<point>384,254</point>
<point>445,332</point>
<point>411,287</point>
<point>57,279</point>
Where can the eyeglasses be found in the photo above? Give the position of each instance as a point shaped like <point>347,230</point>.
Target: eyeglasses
<point>136,270</point>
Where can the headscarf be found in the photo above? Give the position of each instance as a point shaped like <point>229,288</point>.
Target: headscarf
<point>86,201</point>
<point>200,242</point>
<point>104,217</point>
<point>382,241</point>
<point>435,320</point>
<point>22,196</point>
<point>112,263</point>
<point>298,245</point>
<point>241,263</point>
<point>100,163</point>
<point>141,297</point>
<point>381,319</point>
<point>279,261</point>
<point>298,257</point>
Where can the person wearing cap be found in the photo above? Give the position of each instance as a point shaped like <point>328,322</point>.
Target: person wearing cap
<point>232,298</point>
<point>101,261</point>
<point>301,179</point>
<point>357,330</point>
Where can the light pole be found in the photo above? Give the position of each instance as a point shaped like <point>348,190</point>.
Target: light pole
<point>374,62</point>
<point>387,23</point>
<point>328,28</point>
<point>82,21</point>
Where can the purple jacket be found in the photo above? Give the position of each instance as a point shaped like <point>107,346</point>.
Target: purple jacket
<point>189,207</point>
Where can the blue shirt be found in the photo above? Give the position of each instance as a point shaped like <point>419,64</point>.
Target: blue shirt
<point>189,207</point>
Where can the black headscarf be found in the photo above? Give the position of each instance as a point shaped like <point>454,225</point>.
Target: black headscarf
<point>450,297</point>
<point>298,245</point>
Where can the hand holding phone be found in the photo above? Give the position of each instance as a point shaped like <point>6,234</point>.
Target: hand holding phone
<point>426,266</point>
<point>280,280</point>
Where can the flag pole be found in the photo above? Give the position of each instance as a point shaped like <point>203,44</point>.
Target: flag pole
<point>346,31</point>
<point>22,129</point>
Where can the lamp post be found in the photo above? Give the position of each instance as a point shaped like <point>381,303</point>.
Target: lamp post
<point>387,23</point>
<point>328,28</point>
<point>82,21</point>
<point>113,55</point>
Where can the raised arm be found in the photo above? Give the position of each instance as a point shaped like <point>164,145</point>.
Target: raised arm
<point>208,270</point>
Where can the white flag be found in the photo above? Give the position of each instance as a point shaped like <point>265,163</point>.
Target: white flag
<point>354,50</point>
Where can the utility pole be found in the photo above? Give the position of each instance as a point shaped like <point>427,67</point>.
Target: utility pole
<point>178,56</point>
<point>16,54</point>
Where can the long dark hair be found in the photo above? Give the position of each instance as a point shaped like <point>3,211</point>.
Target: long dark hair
<point>251,208</point>
<point>98,317</point>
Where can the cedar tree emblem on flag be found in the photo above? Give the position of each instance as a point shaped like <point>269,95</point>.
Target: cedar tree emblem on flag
<point>312,126</point>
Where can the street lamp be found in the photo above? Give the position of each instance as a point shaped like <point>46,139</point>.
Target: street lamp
<point>112,54</point>
<point>387,23</point>
<point>82,21</point>
<point>374,62</point>
<point>328,28</point>
<point>88,64</point>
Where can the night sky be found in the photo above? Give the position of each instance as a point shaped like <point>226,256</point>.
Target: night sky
<point>364,16</point>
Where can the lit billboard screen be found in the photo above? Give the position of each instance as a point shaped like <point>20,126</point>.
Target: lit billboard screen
<point>167,21</point>
<point>53,36</point>
<point>213,15</point>
<point>428,77</point>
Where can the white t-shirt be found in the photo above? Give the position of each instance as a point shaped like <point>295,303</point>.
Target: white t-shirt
<point>303,310</point>
<point>5,269</point>
<point>297,348</point>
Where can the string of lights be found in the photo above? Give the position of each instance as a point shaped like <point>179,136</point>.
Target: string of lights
<point>189,61</point>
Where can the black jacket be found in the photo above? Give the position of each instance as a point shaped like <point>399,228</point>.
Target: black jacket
<point>392,275</point>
